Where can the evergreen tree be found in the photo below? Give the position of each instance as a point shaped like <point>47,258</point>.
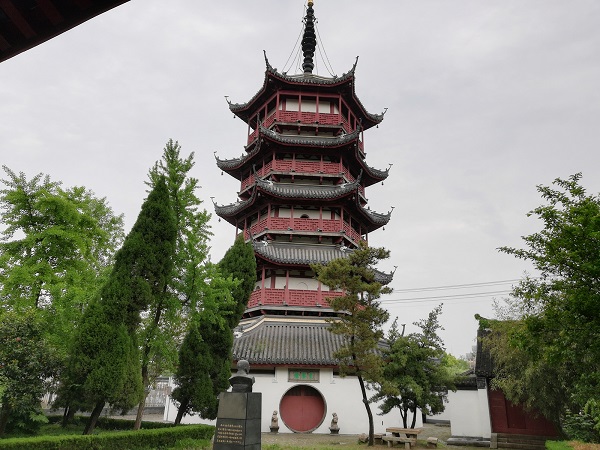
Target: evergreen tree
<point>205,355</point>
<point>361,316</point>
<point>105,363</point>
<point>239,262</point>
<point>169,312</point>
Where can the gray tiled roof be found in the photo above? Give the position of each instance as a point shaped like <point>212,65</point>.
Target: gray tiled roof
<point>317,141</point>
<point>233,208</point>
<point>314,80</point>
<point>306,254</point>
<point>312,191</point>
<point>288,342</point>
<point>302,254</point>
<point>236,163</point>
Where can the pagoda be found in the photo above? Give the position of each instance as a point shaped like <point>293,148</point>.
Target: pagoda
<point>301,201</point>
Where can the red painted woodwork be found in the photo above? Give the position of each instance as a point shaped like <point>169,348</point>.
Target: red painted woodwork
<point>283,224</point>
<point>293,297</point>
<point>513,419</point>
<point>302,408</point>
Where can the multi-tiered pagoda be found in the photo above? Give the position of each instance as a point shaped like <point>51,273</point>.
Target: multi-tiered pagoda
<point>301,201</point>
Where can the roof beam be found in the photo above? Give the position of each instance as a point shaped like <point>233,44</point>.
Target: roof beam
<point>15,16</point>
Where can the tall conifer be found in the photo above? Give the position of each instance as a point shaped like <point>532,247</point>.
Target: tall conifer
<point>105,363</point>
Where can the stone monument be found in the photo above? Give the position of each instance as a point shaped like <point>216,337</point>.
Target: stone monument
<point>239,414</point>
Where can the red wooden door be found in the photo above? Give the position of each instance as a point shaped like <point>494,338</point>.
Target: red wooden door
<point>514,419</point>
<point>302,409</point>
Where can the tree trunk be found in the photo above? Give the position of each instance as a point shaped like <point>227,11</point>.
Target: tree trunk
<point>140,412</point>
<point>4,415</point>
<point>182,407</point>
<point>145,362</point>
<point>68,415</point>
<point>89,428</point>
<point>414,421</point>
<point>404,414</point>
<point>368,408</point>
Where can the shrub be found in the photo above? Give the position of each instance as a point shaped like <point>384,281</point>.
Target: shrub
<point>582,426</point>
<point>141,439</point>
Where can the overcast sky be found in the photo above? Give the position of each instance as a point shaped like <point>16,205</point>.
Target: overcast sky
<point>486,100</point>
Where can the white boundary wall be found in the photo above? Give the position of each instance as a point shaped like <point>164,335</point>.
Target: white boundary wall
<point>469,413</point>
<point>341,396</point>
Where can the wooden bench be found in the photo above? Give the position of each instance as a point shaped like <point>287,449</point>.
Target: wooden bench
<point>432,442</point>
<point>396,439</point>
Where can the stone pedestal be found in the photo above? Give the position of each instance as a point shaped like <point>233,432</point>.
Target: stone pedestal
<point>238,421</point>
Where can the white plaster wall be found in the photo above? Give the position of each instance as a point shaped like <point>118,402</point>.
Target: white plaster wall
<point>469,413</point>
<point>303,283</point>
<point>311,213</point>
<point>341,396</point>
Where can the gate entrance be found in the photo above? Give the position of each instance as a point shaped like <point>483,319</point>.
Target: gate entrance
<point>302,409</point>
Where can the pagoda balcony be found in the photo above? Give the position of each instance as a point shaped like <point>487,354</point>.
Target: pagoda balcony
<point>300,166</point>
<point>291,297</point>
<point>301,117</point>
<point>274,224</point>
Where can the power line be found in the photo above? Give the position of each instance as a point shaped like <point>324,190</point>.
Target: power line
<point>456,286</point>
<point>448,297</point>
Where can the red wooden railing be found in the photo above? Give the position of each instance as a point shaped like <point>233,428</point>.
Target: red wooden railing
<point>291,297</point>
<point>304,117</point>
<point>313,225</point>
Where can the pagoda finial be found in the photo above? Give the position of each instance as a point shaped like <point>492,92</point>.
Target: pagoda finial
<point>309,40</point>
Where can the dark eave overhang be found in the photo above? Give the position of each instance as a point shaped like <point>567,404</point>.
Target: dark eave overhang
<point>289,342</point>
<point>233,166</point>
<point>275,80</point>
<point>287,191</point>
<point>26,24</point>
<point>290,254</point>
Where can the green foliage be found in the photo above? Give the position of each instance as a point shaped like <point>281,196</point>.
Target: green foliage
<point>104,364</point>
<point>549,356</point>
<point>417,371</point>
<point>239,262</point>
<point>361,316</point>
<point>205,355</point>
<point>56,246</point>
<point>558,445</point>
<point>169,311</point>
<point>141,439</point>
<point>26,363</point>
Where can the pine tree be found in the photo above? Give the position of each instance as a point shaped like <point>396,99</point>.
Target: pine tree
<point>361,316</point>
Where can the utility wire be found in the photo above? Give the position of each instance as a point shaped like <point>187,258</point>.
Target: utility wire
<point>456,286</point>
<point>448,297</point>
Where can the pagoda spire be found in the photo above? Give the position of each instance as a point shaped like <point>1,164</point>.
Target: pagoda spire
<point>309,39</point>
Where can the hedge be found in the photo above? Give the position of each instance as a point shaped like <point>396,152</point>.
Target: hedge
<point>110,423</point>
<point>140,439</point>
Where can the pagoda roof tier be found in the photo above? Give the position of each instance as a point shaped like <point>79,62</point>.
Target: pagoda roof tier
<point>290,254</point>
<point>274,81</point>
<point>236,166</point>
<point>305,341</point>
<point>301,193</point>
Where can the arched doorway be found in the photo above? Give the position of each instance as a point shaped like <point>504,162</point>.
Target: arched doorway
<point>302,408</point>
